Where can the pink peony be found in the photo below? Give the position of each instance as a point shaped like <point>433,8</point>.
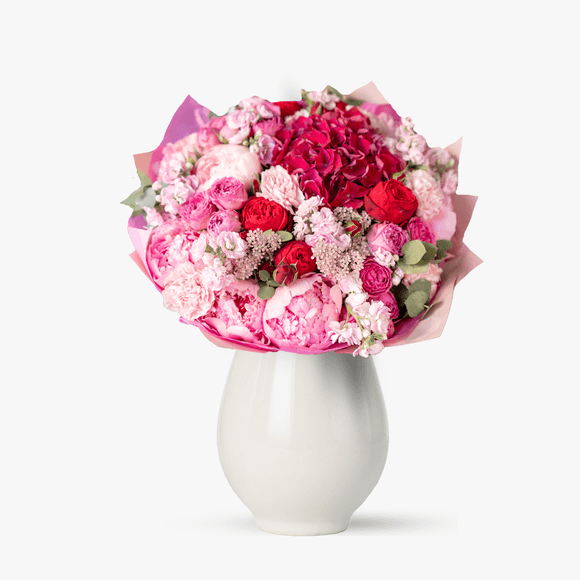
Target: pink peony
<point>185,292</point>
<point>197,210</point>
<point>169,246</point>
<point>228,193</point>
<point>279,186</point>
<point>300,314</point>
<point>228,161</point>
<point>237,313</point>
<point>387,236</point>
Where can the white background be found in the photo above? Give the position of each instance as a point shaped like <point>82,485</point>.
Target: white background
<point>108,406</point>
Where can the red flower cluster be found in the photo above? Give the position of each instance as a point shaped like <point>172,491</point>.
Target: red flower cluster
<point>335,155</point>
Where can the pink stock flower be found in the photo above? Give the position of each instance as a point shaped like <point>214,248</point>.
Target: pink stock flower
<point>300,314</point>
<point>387,236</point>
<point>169,246</point>
<point>237,313</point>
<point>228,161</point>
<point>197,210</point>
<point>228,193</point>
<point>185,292</point>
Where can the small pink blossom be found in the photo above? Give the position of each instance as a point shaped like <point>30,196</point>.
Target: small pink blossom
<point>185,293</point>
<point>232,245</point>
<point>348,333</point>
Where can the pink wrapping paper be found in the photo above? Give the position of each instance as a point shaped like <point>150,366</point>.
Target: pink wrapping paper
<point>191,116</point>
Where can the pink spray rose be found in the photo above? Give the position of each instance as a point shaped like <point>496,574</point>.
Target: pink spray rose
<point>228,161</point>
<point>300,314</point>
<point>387,236</point>
<point>376,279</point>
<point>228,193</point>
<point>197,210</point>
<point>185,292</point>
<point>419,230</point>
<point>224,221</point>
<point>169,245</point>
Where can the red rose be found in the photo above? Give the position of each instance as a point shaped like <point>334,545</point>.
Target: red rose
<point>263,214</point>
<point>391,201</point>
<point>288,108</point>
<point>298,254</point>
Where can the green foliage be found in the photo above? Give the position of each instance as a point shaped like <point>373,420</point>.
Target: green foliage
<point>142,197</point>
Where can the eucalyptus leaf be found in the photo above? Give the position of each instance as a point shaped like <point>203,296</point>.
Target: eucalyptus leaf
<point>418,268</point>
<point>443,246</point>
<point>266,292</point>
<point>415,303</point>
<point>413,252</point>
<point>264,275</point>
<point>430,251</point>
<point>285,236</point>
<point>421,286</point>
<point>142,197</point>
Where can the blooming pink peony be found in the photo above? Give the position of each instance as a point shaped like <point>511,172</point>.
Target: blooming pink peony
<point>185,292</point>
<point>300,314</point>
<point>237,313</point>
<point>228,161</point>
<point>169,246</point>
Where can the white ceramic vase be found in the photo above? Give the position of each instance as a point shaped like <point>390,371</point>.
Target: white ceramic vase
<point>302,439</point>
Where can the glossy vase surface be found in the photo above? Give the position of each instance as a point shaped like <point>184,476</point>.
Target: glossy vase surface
<point>302,439</point>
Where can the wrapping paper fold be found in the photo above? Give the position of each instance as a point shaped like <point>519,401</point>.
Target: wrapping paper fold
<point>191,116</point>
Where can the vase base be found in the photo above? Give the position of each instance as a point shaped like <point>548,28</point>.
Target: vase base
<point>302,528</point>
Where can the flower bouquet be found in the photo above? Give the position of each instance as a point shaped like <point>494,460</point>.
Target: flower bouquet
<point>322,224</point>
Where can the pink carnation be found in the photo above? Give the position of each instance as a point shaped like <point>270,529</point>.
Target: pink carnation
<point>169,246</point>
<point>185,292</point>
<point>428,192</point>
<point>279,186</point>
<point>300,314</point>
<point>433,275</point>
<point>228,161</point>
<point>237,313</point>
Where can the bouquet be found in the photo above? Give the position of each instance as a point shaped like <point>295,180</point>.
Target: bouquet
<point>322,224</point>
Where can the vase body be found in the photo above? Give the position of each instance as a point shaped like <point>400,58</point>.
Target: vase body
<point>302,439</point>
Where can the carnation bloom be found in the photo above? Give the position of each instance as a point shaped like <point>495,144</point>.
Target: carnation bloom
<point>279,186</point>
<point>428,193</point>
<point>433,275</point>
<point>185,292</point>
<point>300,314</point>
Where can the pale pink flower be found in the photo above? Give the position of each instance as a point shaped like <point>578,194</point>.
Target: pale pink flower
<point>232,245</point>
<point>173,195</point>
<point>264,149</point>
<point>326,227</point>
<point>197,210</point>
<point>348,332</point>
<point>185,293</point>
<point>279,186</point>
<point>228,161</point>
<point>428,193</point>
<point>300,314</point>
<point>237,313</point>
<point>154,218</point>
<point>367,349</point>
<point>444,223</point>
<point>387,236</point>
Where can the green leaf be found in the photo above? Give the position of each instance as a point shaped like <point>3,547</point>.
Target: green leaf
<point>333,91</point>
<point>273,283</point>
<point>266,292</point>
<point>430,251</point>
<point>285,236</point>
<point>268,232</point>
<point>443,246</point>
<point>413,252</point>
<point>415,303</point>
<point>353,102</point>
<point>142,197</point>
<point>264,275</point>
<point>421,286</point>
<point>418,268</point>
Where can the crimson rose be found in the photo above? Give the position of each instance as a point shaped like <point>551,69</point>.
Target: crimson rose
<point>296,253</point>
<point>391,201</point>
<point>264,214</point>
